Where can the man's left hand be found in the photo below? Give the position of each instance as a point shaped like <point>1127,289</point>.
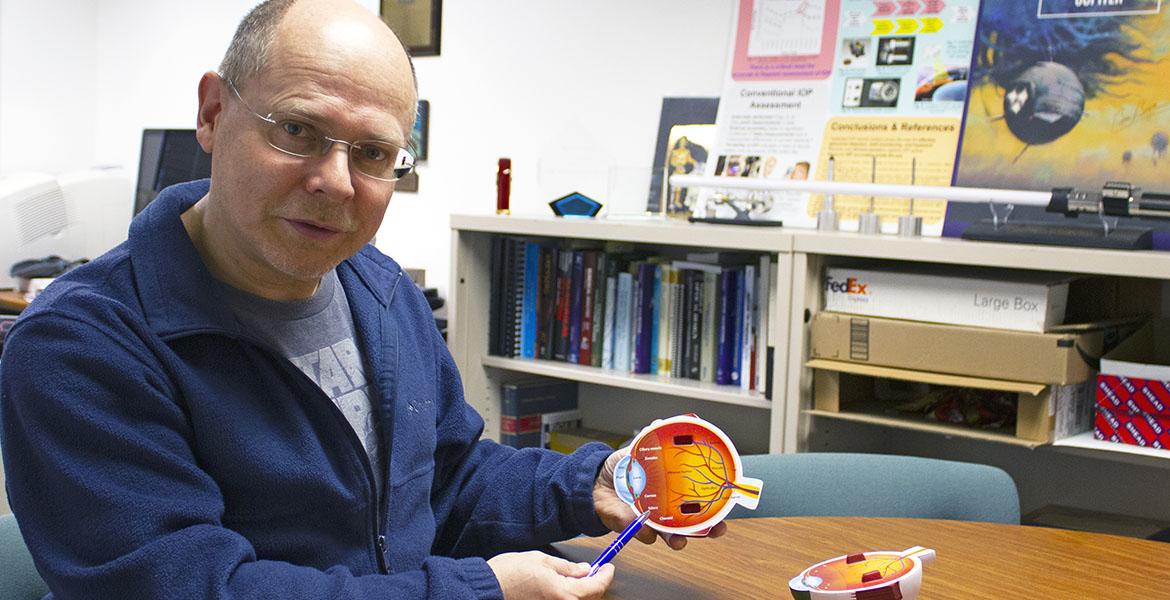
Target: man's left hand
<point>616,514</point>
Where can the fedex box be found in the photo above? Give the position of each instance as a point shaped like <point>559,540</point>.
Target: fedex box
<point>1133,390</point>
<point>1022,301</point>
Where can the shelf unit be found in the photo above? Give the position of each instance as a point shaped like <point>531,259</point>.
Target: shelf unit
<point>483,374</point>
<point>800,258</point>
<point>811,251</point>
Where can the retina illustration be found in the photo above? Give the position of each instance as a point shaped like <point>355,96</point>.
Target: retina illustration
<point>686,473</point>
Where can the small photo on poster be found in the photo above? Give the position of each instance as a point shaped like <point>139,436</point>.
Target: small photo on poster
<point>941,84</point>
<point>855,53</point>
<point>871,93</point>
<point>895,51</point>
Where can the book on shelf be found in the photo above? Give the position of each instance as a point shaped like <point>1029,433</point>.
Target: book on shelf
<point>506,301</point>
<point>514,320</point>
<point>528,317</point>
<point>546,302</point>
<point>707,346</point>
<point>564,298</point>
<point>678,312</point>
<point>523,403</point>
<point>664,318</point>
<point>726,335</point>
<point>588,293</point>
<point>694,324</point>
<point>599,299</point>
<point>607,343</point>
<point>642,315</point>
<point>655,317</point>
<point>622,322</point>
<point>495,310</point>
<point>736,351</point>
<point>576,295</point>
<point>747,332</point>
<point>561,420</point>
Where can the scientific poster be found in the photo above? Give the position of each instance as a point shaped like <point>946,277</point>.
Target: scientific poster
<point>878,85</point>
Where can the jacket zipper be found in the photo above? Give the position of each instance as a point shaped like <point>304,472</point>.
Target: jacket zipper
<point>355,444</point>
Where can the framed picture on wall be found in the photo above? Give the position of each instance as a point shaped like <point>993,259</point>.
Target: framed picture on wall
<point>418,136</point>
<point>408,183</point>
<point>417,23</point>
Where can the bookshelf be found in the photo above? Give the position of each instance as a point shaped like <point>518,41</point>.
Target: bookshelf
<point>732,408</point>
<point>792,424</point>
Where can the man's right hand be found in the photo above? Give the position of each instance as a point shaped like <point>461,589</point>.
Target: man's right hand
<point>536,575</point>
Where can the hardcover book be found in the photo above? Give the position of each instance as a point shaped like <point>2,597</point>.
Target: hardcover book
<point>576,299</point>
<point>588,294</point>
<point>523,403</point>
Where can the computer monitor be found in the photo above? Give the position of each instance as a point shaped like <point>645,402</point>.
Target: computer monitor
<point>169,156</point>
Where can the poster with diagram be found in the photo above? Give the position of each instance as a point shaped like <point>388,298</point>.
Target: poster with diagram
<point>877,85</point>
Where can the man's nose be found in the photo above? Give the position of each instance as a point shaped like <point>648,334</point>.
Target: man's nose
<point>331,173</point>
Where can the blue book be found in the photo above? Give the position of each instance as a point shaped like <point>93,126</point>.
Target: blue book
<point>726,336</point>
<point>643,314</point>
<point>528,318</point>
<point>737,328</point>
<point>576,288</point>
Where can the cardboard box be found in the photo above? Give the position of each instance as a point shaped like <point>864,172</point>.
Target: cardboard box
<point>1133,390</point>
<point>1020,300</point>
<point>1063,357</point>
<point>1043,412</point>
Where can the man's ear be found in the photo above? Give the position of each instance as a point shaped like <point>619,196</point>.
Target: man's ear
<point>210,109</point>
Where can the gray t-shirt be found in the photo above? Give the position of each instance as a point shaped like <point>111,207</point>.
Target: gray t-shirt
<point>316,334</point>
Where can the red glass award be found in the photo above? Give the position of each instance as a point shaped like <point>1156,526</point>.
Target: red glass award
<point>503,186</point>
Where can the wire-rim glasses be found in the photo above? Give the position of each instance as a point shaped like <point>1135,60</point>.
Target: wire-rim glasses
<point>298,136</point>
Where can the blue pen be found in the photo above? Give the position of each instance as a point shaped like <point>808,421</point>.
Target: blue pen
<point>623,537</point>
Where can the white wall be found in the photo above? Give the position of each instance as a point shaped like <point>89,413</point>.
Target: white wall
<point>548,83</point>
<point>47,83</point>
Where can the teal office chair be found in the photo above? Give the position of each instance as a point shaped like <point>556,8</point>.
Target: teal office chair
<point>19,579</point>
<point>879,485</point>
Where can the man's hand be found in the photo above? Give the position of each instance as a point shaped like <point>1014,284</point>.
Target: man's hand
<point>617,514</point>
<point>535,575</point>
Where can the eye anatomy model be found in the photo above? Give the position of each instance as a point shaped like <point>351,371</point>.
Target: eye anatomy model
<point>686,472</point>
<point>882,574</point>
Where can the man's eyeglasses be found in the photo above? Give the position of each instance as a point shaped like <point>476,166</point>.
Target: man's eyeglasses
<point>295,135</point>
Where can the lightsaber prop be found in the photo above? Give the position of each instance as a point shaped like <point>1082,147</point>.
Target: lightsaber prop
<point>1117,199</point>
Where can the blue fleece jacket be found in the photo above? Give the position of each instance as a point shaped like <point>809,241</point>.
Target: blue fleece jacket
<point>154,450</point>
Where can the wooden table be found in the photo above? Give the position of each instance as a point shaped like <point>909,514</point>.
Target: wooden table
<point>757,557</point>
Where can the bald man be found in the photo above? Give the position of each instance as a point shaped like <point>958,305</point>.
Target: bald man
<point>247,400</point>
